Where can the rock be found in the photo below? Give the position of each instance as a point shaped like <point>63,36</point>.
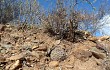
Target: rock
<point>17,35</point>
<point>89,44</point>
<point>0,36</point>
<point>17,57</point>
<point>34,47</point>
<point>53,64</point>
<point>42,47</point>
<point>8,29</point>
<point>36,68</point>
<point>27,44</point>
<point>40,53</point>
<point>44,60</point>
<point>2,59</point>
<point>58,54</point>
<point>107,64</point>
<point>8,66</point>
<point>69,66</point>
<point>72,59</point>
<point>34,53</point>
<point>15,65</point>
<point>8,26</point>
<point>2,27</point>
<point>83,55</point>
<point>102,38</point>
<point>104,45</point>
<point>6,46</point>
<point>54,68</point>
<point>57,42</point>
<point>81,46</point>
<point>69,62</point>
<point>88,65</point>
<point>37,41</point>
<point>29,68</point>
<point>97,53</point>
<point>3,51</point>
<point>92,39</point>
<point>81,34</point>
<point>98,61</point>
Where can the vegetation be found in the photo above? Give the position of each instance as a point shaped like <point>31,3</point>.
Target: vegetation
<point>63,20</point>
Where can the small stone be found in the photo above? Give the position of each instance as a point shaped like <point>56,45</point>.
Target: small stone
<point>39,54</point>
<point>33,53</point>
<point>36,41</point>
<point>8,66</point>
<point>42,47</point>
<point>34,47</point>
<point>53,64</point>
<point>2,59</point>
<point>8,25</point>
<point>3,51</point>
<point>15,65</point>
<point>71,59</point>
<point>7,46</point>
<point>69,66</point>
<point>57,42</point>
<point>1,34</point>
<point>2,27</point>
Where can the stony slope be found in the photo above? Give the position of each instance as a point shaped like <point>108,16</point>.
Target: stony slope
<point>33,49</point>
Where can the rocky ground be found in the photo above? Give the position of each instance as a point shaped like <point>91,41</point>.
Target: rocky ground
<point>33,49</point>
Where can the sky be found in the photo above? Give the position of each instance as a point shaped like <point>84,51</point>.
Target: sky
<point>48,4</point>
<point>105,30</point>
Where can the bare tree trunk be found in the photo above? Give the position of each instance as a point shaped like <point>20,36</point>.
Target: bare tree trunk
<point>72,31</point>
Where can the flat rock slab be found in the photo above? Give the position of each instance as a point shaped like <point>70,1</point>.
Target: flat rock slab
<point>17,57</point>
<point>97,53</point>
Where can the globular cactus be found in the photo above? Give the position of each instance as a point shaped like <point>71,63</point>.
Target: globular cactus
<point>58,54</point>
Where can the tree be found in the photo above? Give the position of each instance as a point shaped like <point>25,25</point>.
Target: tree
<point>7,10</point>
<point>65,18</point>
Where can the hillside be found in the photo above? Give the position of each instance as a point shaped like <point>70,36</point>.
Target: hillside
<point>35,49</point>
